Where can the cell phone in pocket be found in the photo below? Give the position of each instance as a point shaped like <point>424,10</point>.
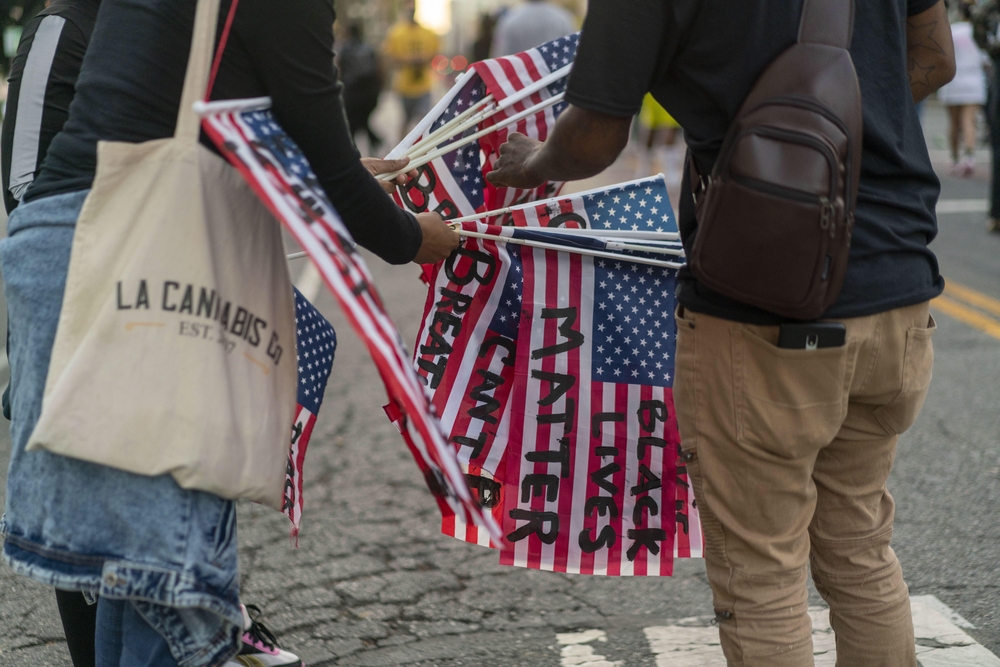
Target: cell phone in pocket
<point>811,336</point>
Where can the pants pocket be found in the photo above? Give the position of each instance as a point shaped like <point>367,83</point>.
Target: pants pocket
<point>685,377</point>
<point>918,362</point>
<point>789,402</point>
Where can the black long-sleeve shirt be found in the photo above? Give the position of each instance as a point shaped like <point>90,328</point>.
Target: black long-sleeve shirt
<point>130,87</point>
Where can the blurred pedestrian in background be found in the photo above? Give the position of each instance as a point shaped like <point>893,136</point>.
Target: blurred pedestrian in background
<point>986,32</point>
<point>484,41</point>
<point>529,24</point>
<point>658,149</point>
<point>409,48</point>
<point>361,75</point>
<point>965,95</point>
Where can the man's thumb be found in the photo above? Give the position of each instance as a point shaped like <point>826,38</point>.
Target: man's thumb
<point>386,166</point>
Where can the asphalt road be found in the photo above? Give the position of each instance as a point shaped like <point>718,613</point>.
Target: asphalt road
<point>374,583</point>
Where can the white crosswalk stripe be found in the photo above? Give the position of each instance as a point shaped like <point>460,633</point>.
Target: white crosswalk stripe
<point>940,640</point>
<point>576,650</point>
<point>694,642</point>
<point>951,206</point>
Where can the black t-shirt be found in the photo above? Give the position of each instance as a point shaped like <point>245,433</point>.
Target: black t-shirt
<point>699,59</point>
<point>130,88</point>
<point>50,53</point>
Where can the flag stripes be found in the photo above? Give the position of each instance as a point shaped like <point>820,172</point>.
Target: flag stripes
<point>581,448</point>
<point>276,169</point>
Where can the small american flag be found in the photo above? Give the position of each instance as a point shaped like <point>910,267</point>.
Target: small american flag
<point>455,184</point>
<point>315,345</point>
<point>507,75</point>
<point>279,173</point>
<point>514,339</point>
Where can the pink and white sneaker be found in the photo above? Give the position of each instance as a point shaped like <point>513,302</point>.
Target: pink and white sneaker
<point>260,648</point>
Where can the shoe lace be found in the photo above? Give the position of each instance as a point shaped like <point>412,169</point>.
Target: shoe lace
<point>258,632</point>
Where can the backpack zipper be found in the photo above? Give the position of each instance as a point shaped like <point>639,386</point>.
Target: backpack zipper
<point>826,207</point>
<point>811,105</point>
<point>801,138</point>
<point>779,190</point>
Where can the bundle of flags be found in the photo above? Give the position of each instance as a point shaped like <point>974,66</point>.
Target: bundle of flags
<point>539,402</point>
<point>247,134</point>
<point>458,142</point>
<point>547,351</point>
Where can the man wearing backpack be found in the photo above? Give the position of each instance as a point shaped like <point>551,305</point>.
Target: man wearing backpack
<point>788,415</point>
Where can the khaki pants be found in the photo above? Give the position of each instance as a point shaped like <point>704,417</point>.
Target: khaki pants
<point>788,452</point>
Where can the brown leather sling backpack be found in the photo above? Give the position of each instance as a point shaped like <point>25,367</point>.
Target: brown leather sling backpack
<point>775,216</point>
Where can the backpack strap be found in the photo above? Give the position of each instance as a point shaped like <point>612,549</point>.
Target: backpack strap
<point>828,22</point>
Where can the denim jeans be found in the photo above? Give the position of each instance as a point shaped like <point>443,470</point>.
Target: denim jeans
<point>125,639</point>
<point>80,526</point>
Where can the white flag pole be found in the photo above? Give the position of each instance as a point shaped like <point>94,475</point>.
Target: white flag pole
<point>451,128</point>
<point>463,122</point>
<point>482,216</point>
<point>657,250</point>
<point>426,122</point>
<point>527,91</point>
<point>433,155</point>
<point>231,106</point>
<point>576,251</point>
<point>552,200</point>
<point>637,235</point>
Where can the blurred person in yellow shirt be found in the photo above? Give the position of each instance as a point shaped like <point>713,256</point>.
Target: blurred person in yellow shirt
<point>409,48</point>
<point>657,139</point>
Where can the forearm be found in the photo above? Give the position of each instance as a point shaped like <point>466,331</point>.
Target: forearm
<point>930,53</point>
<point>582,144</point>
<point>293,54</point>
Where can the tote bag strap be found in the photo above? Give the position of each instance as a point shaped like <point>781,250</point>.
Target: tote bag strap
<point>196,77</point>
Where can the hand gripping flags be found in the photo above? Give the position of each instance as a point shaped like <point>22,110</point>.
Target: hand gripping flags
<point>474,119</point>
<point>553,372</point>
<point>248,136</point>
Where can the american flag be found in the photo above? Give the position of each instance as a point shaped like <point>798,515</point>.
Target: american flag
<point>504,77</point>
<point>489,309</point>
<point>315,345</point>
<point>455,184</point>
<point>465,357</point>
<point>276,169</point>
<point>452,185</point>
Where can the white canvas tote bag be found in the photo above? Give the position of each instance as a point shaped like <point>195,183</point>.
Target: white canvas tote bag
<point>175,349</point>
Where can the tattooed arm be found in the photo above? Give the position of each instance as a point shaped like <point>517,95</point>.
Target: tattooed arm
<point>930,53</point>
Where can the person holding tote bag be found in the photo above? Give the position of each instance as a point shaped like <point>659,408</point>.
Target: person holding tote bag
<point>161,555</point>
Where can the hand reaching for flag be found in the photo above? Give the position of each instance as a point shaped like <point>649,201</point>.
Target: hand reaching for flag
<point>582,144</point>
<point>439,239</point>
<point>375,167</point>
<point>513,168</point>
